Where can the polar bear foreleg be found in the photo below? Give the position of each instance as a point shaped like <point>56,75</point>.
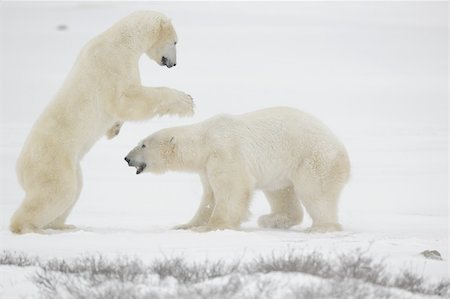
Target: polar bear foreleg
<point>232,203</point>
<point>204,211</point>
<point>232,191</point>
<point>146,102</point>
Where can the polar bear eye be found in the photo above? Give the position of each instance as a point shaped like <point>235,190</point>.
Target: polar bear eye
<point>143,146</point>
<point>175,43</point>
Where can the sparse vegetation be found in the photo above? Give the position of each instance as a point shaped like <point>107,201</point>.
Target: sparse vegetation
<point>185,272</point>
<point>9,258</point>
<point>287,274</point>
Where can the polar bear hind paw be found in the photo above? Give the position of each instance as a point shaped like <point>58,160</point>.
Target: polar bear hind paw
<point>184,226</point>
<point>277,221</point>
<point>24,229</point>
<point>325,228</point>
<point>61,227</point>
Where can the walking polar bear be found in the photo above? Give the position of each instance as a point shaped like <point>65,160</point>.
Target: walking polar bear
<point>102,90</point>
<point>288,154</point>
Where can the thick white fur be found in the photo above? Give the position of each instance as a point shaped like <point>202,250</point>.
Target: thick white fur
<point>288,154</point>
<point>102,90</point>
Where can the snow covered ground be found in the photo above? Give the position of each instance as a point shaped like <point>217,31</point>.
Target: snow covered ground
<point>376,73</point>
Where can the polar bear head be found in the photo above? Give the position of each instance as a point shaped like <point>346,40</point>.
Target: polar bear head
<point>152,33</point>
<point>163,50</point>
<point>153,154</point>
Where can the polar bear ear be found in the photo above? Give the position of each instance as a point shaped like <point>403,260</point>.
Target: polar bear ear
<point>172,145</point>
<point>165,24</point>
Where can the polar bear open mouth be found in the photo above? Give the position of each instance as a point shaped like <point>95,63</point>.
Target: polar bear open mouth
<point>140,168</point>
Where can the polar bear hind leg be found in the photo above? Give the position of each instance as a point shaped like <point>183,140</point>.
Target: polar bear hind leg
<point>320,198</point>
<point>44,204</point>
<point>286,209</point>
<point>60,221</point>
<point>35,214</point>
<point>323,211</point>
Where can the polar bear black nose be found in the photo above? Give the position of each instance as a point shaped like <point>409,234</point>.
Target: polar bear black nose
<point>127,159</point>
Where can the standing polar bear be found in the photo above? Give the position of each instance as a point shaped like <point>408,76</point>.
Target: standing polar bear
<point>288,154</point>
<point>102,91</point>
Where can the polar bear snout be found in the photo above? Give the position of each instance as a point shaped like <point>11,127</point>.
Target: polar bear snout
<point>169,55</point>
<point>167,62</point>
<point>140,166</point>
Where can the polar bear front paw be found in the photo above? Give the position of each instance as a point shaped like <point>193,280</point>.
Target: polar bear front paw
<point>278,220</point>
<point>210,228</point>
<point>183,104</point>
<point>204,229</point>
